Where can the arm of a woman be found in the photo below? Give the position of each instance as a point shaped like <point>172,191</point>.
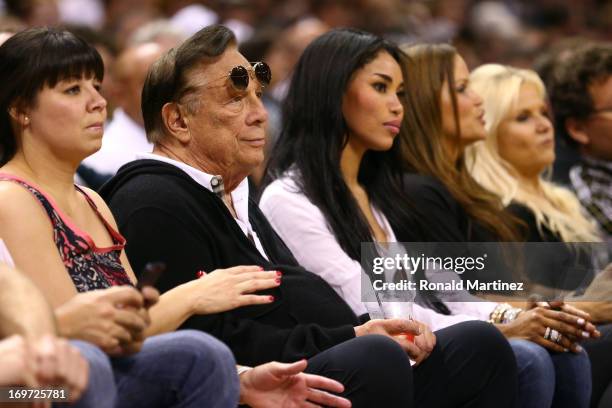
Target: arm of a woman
<point>27,232</point>
<point>28,235</point>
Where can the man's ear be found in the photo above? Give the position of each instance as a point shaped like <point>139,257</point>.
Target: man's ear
<point>576,129</point>
<point>175,122</point>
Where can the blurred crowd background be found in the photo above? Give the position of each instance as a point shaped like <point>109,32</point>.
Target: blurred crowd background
<point>510,31</point>
<point>515,32</point>
<point>522,33</point>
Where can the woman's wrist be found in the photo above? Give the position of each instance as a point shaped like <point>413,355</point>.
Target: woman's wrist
<point>243,377</point>
<point>508,330</point>
<point>62,319</point>
<point>190,295</point>
<point>186,297</point>
<point>173,309</point>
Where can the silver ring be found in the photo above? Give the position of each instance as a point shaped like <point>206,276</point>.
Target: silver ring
<point>547,333</point>
<point>555,336</point>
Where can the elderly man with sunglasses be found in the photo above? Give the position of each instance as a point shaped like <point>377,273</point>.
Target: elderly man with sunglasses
<point>187,204</point>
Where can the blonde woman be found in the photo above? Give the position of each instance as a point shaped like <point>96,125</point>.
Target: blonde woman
<point>519,149</point>
<point>512,161</point>
<point>514,158</point>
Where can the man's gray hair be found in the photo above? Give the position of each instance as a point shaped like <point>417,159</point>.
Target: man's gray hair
<point>167,80</point>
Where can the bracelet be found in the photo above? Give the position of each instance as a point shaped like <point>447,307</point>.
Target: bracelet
<point>242,369</point>
<point>511,314</point>
<point>497,314</point>
<point>504,313</point>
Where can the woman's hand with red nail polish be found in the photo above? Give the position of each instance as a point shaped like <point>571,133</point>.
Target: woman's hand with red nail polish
<point>227,289</point>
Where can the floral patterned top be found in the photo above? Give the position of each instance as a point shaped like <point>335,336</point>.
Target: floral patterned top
<point>89,267</point>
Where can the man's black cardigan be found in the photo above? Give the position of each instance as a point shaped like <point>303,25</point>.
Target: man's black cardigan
<point>166,216</point>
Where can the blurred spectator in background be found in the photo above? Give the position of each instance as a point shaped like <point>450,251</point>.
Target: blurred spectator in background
<point>581,97</point>
<point>124,18</point>
<point>82,12</point>
<point>9,25</point>
<point>160,31</point>
<point>122,86</point>
<point>125,135</point>
<point>281,50</point>
<point>5,34</point>
<point>34,12</point>
<point>240,16</point>
<point>338,13</point>
<point>190,15</point>
<point>545,65</point>
<point>107,48</point>
<point>116,9</point>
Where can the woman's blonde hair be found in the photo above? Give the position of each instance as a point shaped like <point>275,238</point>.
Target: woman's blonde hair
<point>560,211</point>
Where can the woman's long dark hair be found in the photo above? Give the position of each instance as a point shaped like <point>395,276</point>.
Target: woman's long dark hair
<point>315,133</point>
<point>35,58</point>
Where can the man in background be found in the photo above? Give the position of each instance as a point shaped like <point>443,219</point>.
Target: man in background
<point>125,136</point>
<point>581,97</point>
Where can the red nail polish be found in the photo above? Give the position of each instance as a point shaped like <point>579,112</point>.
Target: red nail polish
<point>277,280</point>
<point>271,298</point>
<point>199,274</point>
<point>279,273</point>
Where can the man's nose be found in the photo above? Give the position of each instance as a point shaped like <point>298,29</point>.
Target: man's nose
<point>258,113</point>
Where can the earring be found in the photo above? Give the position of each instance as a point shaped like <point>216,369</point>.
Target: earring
<point>26,120</point>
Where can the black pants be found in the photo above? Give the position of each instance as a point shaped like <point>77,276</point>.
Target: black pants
<point>374,370</point>
<point>471,366</point>
<point>600,353</point>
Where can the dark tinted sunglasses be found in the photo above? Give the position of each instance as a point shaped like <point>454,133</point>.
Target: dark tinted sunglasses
<point>239,75</point>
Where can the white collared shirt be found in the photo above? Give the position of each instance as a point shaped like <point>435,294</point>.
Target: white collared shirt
<point>240,195</point>
<point>304,229</point>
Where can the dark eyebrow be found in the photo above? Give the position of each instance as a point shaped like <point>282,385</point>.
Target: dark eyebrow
<point>384,76</point>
